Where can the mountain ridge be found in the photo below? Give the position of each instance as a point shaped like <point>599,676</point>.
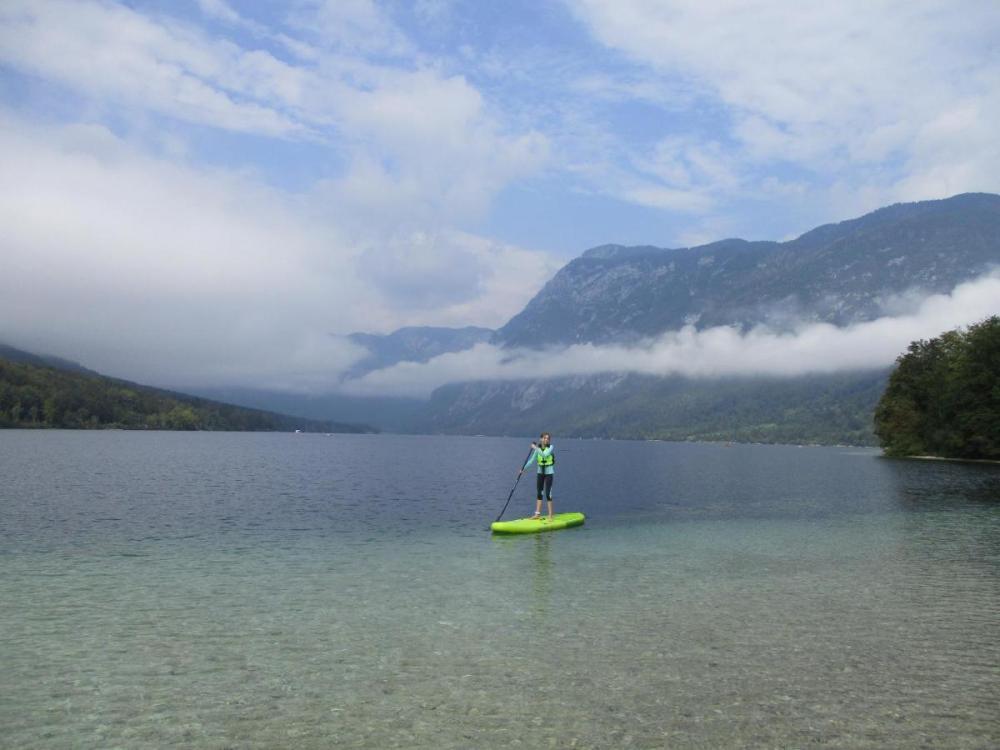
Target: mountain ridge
<point>839,273</point>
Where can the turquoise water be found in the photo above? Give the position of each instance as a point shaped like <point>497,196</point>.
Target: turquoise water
<point>261,591</point>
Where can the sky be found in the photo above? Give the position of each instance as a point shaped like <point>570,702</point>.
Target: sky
<point>209,192</point>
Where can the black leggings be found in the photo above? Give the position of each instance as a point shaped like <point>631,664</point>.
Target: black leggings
<point>544,484</point>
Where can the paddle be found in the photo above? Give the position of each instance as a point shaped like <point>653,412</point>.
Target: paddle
<point>516,481</point>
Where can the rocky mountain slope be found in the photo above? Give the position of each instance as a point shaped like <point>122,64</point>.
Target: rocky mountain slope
<point>838,273</point>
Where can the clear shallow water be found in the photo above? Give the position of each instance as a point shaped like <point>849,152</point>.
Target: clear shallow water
<point>253,590</point>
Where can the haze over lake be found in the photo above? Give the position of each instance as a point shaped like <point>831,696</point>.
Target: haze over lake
<point>265,590</point>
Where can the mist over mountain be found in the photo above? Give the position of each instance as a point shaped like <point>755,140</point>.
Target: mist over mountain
<point>855,273</point>
<point>413,344</point>
<point>12,354</point>
<point>881,264</point>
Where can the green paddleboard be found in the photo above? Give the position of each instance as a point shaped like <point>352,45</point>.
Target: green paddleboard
<point>534,525</point>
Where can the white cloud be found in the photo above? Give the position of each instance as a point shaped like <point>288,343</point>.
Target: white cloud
<point>222,10</point>
<point>956,151</point>
<point>110,51</point>
<point>454,278</point>
<point>149,270</point>
<point>686,175</point>
<point>351,26</point>
<point>175,275</point>
<point>714,352</point>
<point>809,66</point>
<point>424,143</point>
<point>899,97</point>
<point>426,137</point>
<point>144,265</point>
<point>611,88</point>
<point>656,196</point>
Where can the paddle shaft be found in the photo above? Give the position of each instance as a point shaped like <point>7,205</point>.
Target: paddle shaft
<point>515,483</point>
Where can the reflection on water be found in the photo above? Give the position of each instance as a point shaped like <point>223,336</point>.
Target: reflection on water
<point>530,559</point>
<point>938,485</point>
<point>541,577</point>
<point>265,591</point>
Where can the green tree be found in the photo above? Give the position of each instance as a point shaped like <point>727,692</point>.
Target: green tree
<point>944,396</point>
<point>50,411</point>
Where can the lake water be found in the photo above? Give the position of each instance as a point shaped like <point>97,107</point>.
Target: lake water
<point>268,590</point>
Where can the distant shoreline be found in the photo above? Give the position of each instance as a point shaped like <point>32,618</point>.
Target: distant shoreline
<point>948,458</point>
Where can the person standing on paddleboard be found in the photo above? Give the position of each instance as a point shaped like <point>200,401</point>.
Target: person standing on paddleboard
<point>543,455</point>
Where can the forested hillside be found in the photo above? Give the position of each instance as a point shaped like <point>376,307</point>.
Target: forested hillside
<point>827,409</point>
<point>33,395</point>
